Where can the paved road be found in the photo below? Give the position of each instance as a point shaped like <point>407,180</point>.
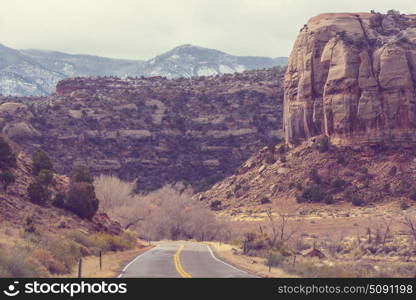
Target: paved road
<point>180,259</point>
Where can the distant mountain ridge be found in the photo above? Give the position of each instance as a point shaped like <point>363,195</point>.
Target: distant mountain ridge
<point>35,72</point>
<point>189,61</point>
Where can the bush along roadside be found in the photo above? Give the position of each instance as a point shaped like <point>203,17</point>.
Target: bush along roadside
<point>37,253</point>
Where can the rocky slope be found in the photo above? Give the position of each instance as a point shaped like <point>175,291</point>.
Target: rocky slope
<point>16,208</point>
<point>352,77</point>
<point>36,72</point>
<point>152,129</point>
<point>281,178</point>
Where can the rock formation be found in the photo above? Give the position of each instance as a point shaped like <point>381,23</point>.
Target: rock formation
<point>352,77</point>
<point>152,130</point>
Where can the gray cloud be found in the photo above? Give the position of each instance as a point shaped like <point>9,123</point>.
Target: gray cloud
<point>140,29</point>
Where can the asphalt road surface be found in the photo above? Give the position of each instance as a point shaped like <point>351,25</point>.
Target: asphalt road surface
<point>180,259</point>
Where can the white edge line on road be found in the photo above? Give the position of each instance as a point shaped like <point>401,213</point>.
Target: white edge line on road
<point>217,259</point>
<point>136,258</point>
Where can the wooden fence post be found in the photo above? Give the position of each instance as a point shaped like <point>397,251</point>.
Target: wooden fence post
<point>80,268</point>
<point>101,261</point>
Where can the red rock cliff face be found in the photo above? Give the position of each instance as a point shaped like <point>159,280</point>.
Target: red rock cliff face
<point>352,77</point>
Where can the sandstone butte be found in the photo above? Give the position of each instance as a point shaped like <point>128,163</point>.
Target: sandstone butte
<point>351,77</point>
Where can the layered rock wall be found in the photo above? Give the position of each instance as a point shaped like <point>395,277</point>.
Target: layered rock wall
<point>352,77</point>
<point>152,130</point>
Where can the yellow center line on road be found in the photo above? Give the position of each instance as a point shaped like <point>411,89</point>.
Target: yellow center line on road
<point>178,265</point>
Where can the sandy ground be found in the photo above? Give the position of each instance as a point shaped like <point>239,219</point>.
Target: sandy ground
<point>320,219</point>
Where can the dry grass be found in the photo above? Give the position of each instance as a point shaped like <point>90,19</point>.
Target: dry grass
<point>365,266</point>
<point>8,236</point>
<point>254,265</point>
<point>112,263</point>
<point>47,254</point>
<point>324,219</point>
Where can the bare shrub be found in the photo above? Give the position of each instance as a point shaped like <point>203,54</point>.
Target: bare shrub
<point>333,244</point>
<point>410,223</point>
<point>382,232</point>
<point>168,213</point>
<point>256,244</point>
<point>274,240</point>
<point>113,192</point>
<point>174,214</point>
<point>281,230</point>
<point>117,198</point>
<point>300,244</point>
<point>205,225</point>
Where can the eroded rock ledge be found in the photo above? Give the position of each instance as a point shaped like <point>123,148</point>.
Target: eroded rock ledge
<point>352,77</point>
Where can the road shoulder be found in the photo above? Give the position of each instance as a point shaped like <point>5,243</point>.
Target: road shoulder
<point>113,263</point>
<point>252,265</point>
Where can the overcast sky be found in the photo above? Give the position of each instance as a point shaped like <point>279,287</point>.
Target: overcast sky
<point>141,29</point>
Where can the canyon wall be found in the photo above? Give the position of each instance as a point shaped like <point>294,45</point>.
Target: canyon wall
<point>152,130</point>
<point>352,77</point>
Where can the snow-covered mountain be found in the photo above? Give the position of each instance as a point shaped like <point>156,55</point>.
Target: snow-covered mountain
<point>188,61</point>
<point>21,75</point>
<point>36,72</point>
